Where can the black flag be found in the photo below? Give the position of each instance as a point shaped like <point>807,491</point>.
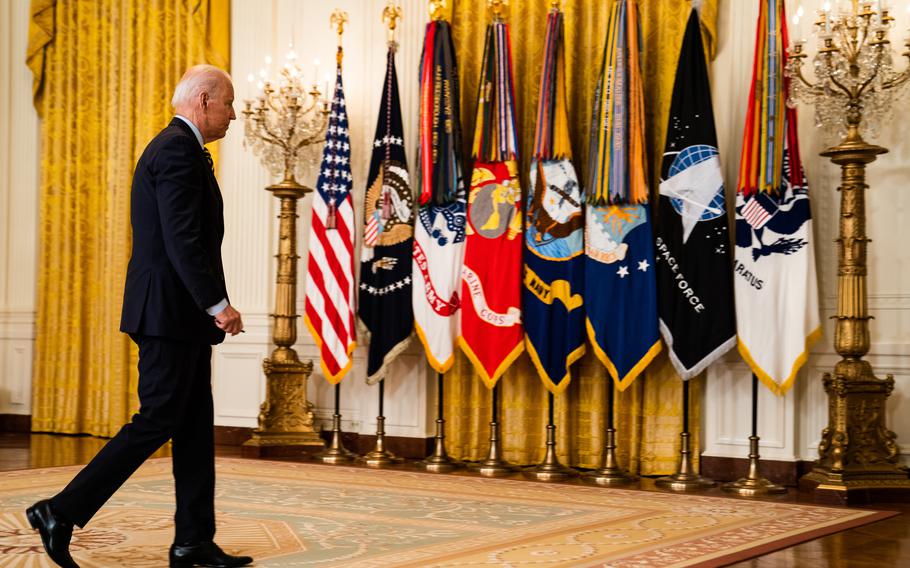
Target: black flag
<point>385,306</point>
<point>694,278</point>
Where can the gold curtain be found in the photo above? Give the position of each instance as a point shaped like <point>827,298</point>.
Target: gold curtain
<point>648,413</point>
<point>104,72</point>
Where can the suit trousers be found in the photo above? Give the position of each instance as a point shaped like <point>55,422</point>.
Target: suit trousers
<point>175,402</point>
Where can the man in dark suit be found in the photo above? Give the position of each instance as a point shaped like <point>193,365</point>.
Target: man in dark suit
<point>175,307</point>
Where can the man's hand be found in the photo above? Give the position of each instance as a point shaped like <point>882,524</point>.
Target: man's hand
<point>229,320</point>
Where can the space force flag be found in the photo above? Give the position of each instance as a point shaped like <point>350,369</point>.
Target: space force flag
<point>774,268</point>
<point>620,284</point>
<point>329,312</point>
<point>694,286</point>
<point>439,233</point>
<point>385,306</point>
<point>553,307</point>
<point>491,332</point>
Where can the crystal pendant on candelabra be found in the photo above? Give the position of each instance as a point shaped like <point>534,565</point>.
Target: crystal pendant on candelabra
<point>285,123</point>
<point>855,81</point>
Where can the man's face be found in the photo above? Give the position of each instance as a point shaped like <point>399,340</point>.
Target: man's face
<point>218,112</point>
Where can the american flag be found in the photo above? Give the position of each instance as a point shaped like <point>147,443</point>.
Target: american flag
<point>329,313</point>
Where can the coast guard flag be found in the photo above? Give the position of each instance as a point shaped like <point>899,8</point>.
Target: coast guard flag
<point>774,271</point>
<point>554,231</point>
<point>694,287</point>
<point>439,233</point>
<point>491,332</point>
<point>620,283</point>
<point>329,313</point>
<point>385,258</point>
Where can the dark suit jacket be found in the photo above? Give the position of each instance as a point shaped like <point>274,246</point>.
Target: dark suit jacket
<point>175,271</point>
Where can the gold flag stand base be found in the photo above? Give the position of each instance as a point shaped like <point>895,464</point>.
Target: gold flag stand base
<point>550,469</point>
<point>685,478</point>
<point>379,457</point>
<point>753,485</point>
<point>285,426</point>
<point>439,461</point>
<point>610,473</point>
<point>336,453</point>
<point>494,465</point>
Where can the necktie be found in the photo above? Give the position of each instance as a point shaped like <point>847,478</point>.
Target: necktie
<point>208,159</point>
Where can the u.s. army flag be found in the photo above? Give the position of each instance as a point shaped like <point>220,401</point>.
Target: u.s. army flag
<point>439,233</point>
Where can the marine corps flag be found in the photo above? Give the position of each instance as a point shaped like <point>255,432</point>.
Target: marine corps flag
<point>329,313</point>
<point>439,233</point>
<point>385,259</point>
<point>774,268</point>
<point>554,231</point>
<point>620,284</point>
<point>491,333</point>
<point>694,287</point>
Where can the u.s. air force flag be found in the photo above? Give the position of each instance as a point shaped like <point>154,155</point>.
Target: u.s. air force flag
<point>774,270</point>
<point>694,287</point>
<point>385,259</point>
<point>620,283</point>
<point>554,240</point>
<point>439,233</point>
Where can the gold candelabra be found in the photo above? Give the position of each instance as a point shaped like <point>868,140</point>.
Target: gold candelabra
<point>283,127</point>
<point>855,83</point>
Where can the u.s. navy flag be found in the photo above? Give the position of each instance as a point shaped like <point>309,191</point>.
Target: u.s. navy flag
<point>439,233</point>
<point>553,307</point>
<point>774,268</point>
<point>491,332</point>
<point>385,259</point>
<point>694,286</point>
<point>329,312</point>
<point>620,285</point>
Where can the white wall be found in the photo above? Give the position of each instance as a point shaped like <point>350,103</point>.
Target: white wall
<point>18,211</point>
<point>789,425</point>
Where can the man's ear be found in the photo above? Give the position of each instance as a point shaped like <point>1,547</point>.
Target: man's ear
<point>204,99</point>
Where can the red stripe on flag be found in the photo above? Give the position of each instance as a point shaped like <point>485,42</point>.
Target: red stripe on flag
<point>341,277</point>
<point>333,317</point>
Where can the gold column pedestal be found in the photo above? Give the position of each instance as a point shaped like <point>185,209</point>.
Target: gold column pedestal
<point>286,416</point>
<point>858,455</point>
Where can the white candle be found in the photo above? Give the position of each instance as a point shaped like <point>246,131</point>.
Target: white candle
<point>315,70</point>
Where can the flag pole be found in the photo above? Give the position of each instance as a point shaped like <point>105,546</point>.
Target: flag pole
<point>439,461</point>
<point>379,456</point>
<point>550,469</point>
<point>685,478</point>
<point>753,484</point>
<point>494,465</point>
<point>610,472</point>
<point>336,453</point>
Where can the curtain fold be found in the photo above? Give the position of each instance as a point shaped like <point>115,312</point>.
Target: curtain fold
<point>104,72</point>
<point>648,413</point>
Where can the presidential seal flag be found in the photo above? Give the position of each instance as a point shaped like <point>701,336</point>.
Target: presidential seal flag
<point>385,255</point>
<point>491,332</point>
<point>694,286</point>
<point>553,307</point>
<point>774,268</point>
<point>439,233</point>
<point>620,282</point>
<point>329,313</point>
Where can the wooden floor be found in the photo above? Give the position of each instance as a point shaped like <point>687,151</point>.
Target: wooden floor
<point>880,545</point>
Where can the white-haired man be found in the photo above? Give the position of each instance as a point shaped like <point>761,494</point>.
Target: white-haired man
<point>175,307</point>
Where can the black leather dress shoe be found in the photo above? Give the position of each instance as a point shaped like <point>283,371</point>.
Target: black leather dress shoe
<point>204,554</point>
<point>55,532</point>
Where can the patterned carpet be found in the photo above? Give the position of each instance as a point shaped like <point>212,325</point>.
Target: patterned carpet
<point>291,514</point>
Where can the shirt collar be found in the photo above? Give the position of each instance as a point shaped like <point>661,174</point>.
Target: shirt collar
<point>193,128</point>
